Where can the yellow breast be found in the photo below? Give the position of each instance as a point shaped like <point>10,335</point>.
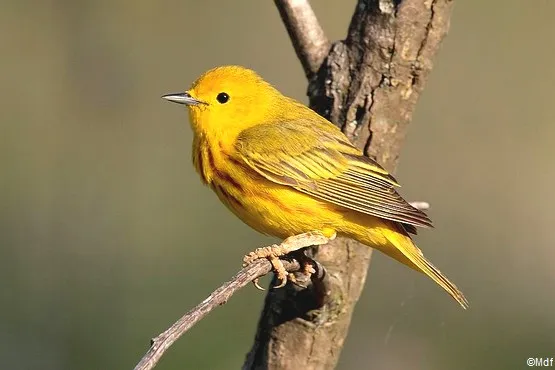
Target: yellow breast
<point>265,206</point>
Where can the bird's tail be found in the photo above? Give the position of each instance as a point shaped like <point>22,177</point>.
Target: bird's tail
<point>400,246</point>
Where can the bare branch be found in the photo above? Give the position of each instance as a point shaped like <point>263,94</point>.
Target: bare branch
<point>306,34</point>
<point>162,342</point>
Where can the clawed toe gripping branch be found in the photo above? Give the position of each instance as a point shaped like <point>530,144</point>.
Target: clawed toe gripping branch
<point>368,84</point>
<point>289,245</point>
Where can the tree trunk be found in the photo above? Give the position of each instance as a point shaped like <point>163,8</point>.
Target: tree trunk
<point>368,84</point>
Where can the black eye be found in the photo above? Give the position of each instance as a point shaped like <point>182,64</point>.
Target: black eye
<point>222,97</point>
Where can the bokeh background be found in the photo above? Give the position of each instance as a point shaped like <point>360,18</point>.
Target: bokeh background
<point>107,235</point>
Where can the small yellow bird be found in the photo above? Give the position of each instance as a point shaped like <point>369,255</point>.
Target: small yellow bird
<point>288,172</point>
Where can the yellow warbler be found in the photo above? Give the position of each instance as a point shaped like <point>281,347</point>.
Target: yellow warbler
<point>286,171</point>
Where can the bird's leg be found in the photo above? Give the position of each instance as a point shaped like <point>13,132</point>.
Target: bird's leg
<point>291,244</point>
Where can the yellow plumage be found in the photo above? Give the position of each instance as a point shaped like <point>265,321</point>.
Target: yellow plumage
<point>284,170</point>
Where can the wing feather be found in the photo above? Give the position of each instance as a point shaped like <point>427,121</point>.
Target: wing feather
<point>317,159</point>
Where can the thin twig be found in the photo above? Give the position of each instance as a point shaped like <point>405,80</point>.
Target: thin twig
<point>305,32</point>
<point>162,342</point>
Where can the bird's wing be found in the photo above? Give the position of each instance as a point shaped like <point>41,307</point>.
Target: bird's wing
<point>317,159</point>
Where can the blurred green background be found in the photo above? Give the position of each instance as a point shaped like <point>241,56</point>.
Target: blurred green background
<point>107,235</point>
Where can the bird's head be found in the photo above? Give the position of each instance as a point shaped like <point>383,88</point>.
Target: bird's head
<point>226,100</point>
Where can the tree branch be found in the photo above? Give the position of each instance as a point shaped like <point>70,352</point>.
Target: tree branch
<point>162,342</point>
<point>306,34</point>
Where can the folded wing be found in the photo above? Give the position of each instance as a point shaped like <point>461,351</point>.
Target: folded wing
<point>317,159</point>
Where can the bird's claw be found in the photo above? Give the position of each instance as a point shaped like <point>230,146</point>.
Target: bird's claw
<point>277,269</point>
<point>291,244</point>
<point>280,271</point>
<point>281,285</point>
<point>272,253</point>
<point>256,285</point>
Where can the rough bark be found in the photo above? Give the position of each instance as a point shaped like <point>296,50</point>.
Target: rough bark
<point>369,85</point>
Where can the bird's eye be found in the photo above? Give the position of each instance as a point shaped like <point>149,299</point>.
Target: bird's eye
<point>222,98</point>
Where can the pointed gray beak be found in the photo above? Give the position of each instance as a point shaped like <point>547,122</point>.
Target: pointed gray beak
<point>182,98</point>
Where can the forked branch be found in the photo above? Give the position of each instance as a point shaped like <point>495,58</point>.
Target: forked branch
<point>306,34</point>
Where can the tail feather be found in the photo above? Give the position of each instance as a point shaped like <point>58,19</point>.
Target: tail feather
<point>413,254</point>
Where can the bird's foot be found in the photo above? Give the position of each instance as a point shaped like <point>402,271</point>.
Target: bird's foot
<point>291,244</point>
<point>307,269</point>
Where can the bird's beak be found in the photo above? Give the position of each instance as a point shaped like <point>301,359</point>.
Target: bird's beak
<point>182,98</point>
